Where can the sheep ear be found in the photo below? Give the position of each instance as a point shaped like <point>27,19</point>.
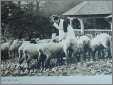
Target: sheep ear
<point>20,41</point>
<point>17,39</point>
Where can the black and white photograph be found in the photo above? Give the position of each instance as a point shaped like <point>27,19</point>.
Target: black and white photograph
<point>56,42</point>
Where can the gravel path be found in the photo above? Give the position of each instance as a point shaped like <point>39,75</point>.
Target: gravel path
<point>102,67</point>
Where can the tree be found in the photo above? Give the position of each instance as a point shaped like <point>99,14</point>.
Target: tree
<point>22,23</point>
<point>9,12</point>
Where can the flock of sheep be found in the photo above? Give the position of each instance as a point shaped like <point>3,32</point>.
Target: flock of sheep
<point>48,53</point>
<point>43,53</point>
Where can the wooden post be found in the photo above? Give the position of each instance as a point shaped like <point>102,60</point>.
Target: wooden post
<point>111,25</point>
<point>53,35</point>
<point>81,25</point>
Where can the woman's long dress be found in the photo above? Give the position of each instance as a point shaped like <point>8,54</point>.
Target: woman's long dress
<point>60,28</point>
<point>70,32</point>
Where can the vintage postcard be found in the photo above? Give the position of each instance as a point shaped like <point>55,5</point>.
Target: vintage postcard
<point>56,42</point>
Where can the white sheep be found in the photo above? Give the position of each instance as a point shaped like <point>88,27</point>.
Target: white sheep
<point>99,43</point>
<point>76,47</point>
<point>21,50</point>
<point>107,43</point>
<point>29,51</point>
<point>13,49</point>
<point>4,49</point>
<point>83,43</point>
<point>44,41</point>
<point>50,50</point>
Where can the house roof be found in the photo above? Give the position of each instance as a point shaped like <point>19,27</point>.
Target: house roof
<point>110,16</point>
<point>91,7</point>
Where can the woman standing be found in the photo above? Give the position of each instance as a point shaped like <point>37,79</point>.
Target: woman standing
<point>58,23</point>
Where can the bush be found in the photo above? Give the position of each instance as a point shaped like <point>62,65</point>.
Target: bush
<point>19,23</point>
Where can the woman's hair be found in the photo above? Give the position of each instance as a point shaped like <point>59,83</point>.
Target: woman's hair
<point>56,18</point>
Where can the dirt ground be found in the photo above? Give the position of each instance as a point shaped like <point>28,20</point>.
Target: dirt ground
<point>10,68</point>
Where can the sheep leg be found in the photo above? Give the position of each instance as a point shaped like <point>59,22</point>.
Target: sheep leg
<point>39,64</point>
<point>89,54</point>
<point>83,54</point>
<point>12,54</point>
<point>21,59</point>
<point>5,53</point>
<point>99,52</point>
<point>102,53</point>
<point>61,61</point>
<point>109,53</point>
<point>16,53</point>
<point>57,62</point>
<point>46,63</point>
<point>9,52</point>
<point>42,65</point>
<point>77,59</point>
<point>69,55</point>
<point>2,54</point>
<point>28,62</point>
<point>28,66</point>
<point>66,55</point>
<point>93,54</point>
<point>80,57</point>
<point>42,62</point>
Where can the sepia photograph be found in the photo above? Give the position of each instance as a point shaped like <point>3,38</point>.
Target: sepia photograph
<point>56,42</point>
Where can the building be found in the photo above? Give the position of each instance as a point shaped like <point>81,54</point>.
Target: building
<point>92,9</point>
<point>109,19</point>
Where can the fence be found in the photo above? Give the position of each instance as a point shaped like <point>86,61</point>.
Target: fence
<point>92,31</point>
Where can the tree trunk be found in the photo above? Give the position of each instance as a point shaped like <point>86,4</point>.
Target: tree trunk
<point>37,7</point>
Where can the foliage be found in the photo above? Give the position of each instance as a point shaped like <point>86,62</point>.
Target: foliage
<point>18,22</point>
